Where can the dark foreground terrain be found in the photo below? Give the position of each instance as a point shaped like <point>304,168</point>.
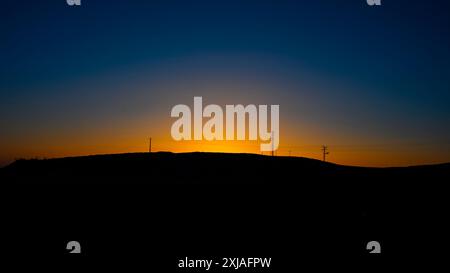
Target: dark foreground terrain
<point>150,210</point>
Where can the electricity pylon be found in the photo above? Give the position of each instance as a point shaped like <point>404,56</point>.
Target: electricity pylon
<point>325,152</point>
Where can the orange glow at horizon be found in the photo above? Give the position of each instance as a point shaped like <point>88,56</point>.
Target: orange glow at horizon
<point>124,126</point>
<point>127,136</point>
<point>129,143</point>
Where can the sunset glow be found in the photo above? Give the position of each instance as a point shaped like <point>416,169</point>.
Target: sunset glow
<point>350,78</point>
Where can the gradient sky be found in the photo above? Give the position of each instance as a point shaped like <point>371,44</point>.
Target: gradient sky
<point>373,83</point>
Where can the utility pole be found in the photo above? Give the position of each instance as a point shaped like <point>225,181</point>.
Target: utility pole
<point>150,146</point>
<point>325,152</point>
<point>272,142</point>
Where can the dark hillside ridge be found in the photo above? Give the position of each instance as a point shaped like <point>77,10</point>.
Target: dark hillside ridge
<point>164,206</point>
<point>206,167</point>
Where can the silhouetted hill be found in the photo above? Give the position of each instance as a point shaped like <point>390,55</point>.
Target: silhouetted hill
<point>164,206</point>
<point>206,167</point>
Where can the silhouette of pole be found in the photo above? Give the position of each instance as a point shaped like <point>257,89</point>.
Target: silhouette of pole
<point>150,146</point>
<point>325,152</point>
<point>272,142</point>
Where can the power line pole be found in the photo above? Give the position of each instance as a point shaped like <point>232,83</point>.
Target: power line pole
<point>272,142</point>
<point>150,146</point>
<point>325,152</point>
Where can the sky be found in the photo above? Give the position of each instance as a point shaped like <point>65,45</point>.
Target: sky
<point>371,82</point>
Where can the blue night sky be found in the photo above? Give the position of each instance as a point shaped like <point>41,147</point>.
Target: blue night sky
<point>371,82</point>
